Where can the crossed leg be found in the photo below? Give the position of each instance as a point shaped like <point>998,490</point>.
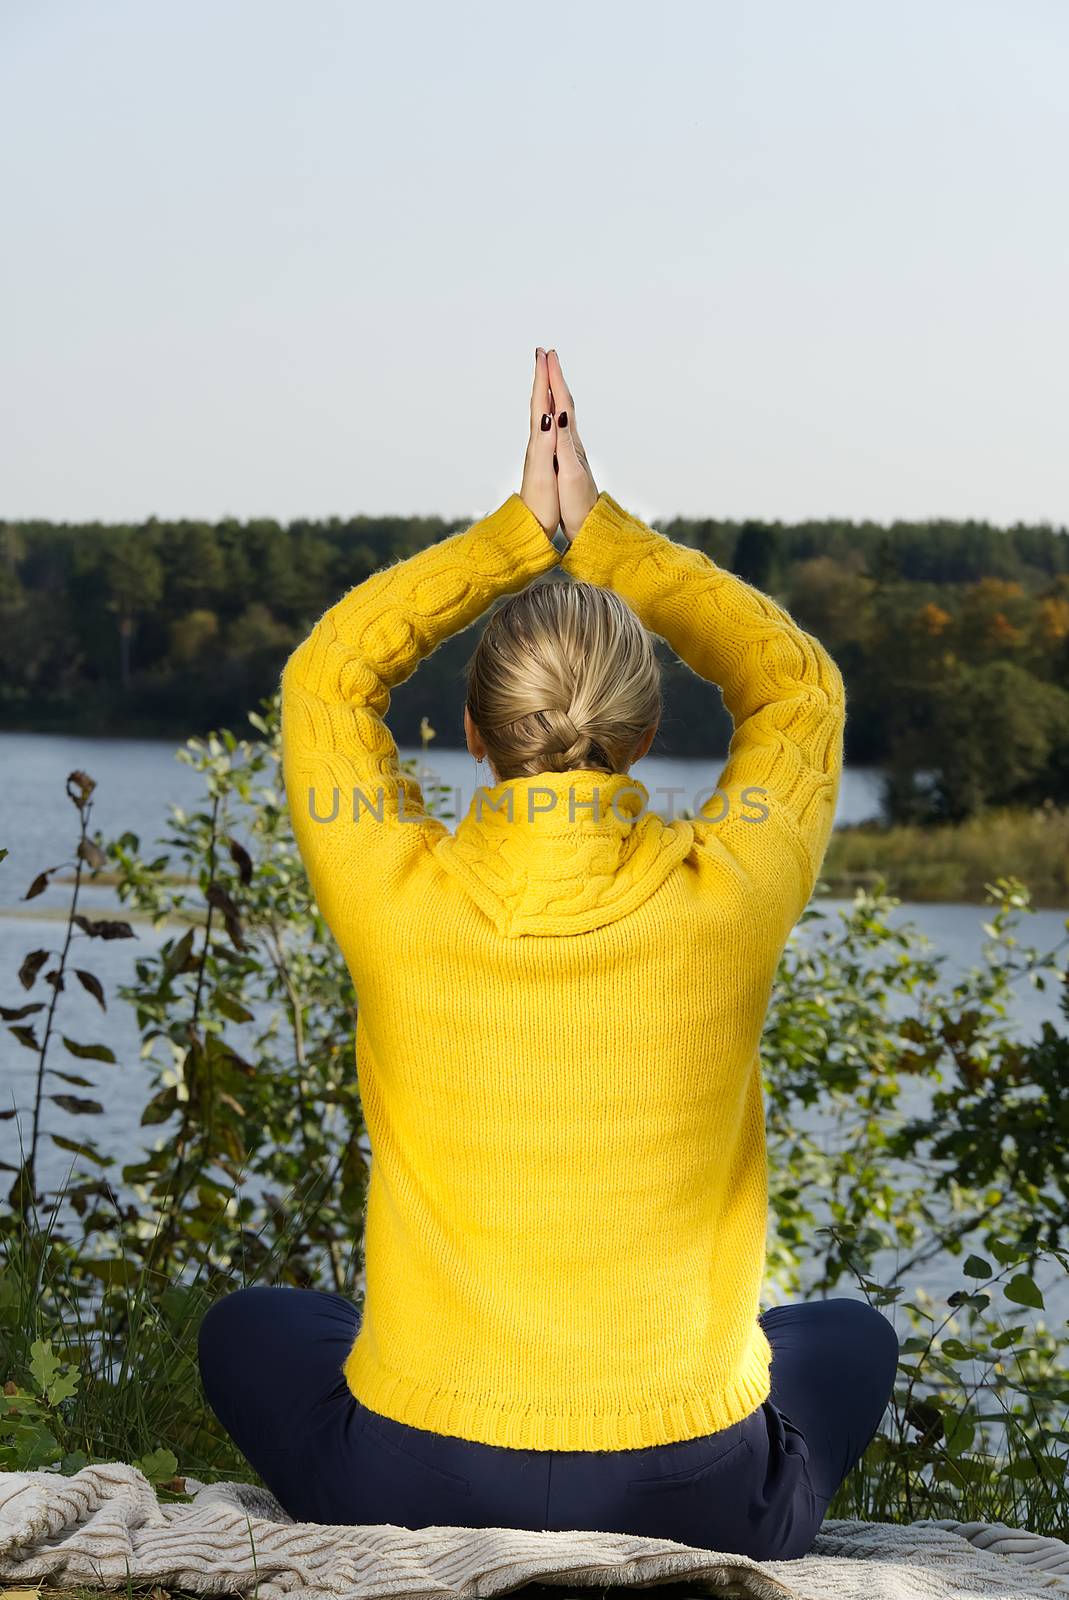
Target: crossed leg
<point>271,1362</point>
<point>833,1374</point>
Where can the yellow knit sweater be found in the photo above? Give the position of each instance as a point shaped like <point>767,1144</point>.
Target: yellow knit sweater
<point>560,1006</point>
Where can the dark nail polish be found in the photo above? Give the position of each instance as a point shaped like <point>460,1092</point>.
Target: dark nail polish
<point>562,420</point>
<point>547,422</point>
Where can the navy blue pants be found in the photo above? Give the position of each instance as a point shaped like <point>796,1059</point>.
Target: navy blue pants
<point>271,1365</point>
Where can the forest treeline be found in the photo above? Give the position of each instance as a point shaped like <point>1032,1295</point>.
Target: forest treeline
<point>953,637</point>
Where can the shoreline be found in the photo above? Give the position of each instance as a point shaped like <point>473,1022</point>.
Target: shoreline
<point>934,864</point>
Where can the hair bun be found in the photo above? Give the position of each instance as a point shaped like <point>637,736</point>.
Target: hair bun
<point>564,676</point>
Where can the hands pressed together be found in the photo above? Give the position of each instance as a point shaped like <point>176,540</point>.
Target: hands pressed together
<point>558,486</point>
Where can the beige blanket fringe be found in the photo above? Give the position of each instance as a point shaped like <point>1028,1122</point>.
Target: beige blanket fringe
<point>105,1525</point>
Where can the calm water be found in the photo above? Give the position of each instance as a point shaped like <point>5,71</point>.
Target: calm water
<point>137,781</point>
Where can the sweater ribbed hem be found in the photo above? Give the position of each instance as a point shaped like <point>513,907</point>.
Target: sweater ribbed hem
<point>520,1425</point>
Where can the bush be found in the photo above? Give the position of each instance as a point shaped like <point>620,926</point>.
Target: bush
<point>904,1122</point>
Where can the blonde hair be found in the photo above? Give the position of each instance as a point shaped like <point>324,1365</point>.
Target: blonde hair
<point>564,676</point>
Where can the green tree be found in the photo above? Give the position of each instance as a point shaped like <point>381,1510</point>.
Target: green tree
<point>995,733</point>
<point>194,637</point>
<point>135,578</point>
<point>756,556</point>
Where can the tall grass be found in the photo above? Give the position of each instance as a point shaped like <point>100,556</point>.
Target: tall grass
<point>955,861</point>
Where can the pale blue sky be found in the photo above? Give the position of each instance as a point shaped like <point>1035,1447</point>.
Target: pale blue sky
<point>293,259</point>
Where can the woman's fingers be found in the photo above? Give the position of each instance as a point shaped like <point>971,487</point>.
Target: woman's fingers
<point>578,491</point>
<point>562,395</point>
<point>557,380</point>
<point>570,452</point>
<point>543,423</point>
<point>539,487</point>
<point>541,398</point>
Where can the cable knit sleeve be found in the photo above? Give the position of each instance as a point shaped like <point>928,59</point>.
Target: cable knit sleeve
<point>774,807</point>
<point>357,818</point>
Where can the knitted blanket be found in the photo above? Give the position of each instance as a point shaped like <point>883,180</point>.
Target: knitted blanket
<point>105,1525</point>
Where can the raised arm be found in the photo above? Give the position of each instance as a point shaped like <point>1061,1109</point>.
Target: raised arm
<point>358,819</point>
<point>336,692</point>
<point>782,688</point>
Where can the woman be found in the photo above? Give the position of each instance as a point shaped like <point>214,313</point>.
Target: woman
<point>560,1007</point>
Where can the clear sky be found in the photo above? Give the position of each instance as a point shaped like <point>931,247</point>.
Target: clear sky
<point>799,257</point>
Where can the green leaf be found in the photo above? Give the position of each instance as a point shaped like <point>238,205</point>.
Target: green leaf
<point>1025,1291</point>
<point>44,1367</point>
<point>111,1270</point>
<point>77,1104</point>
<point>1008,1336</point>
<point>38,1449</point>
<point>160,1107</point>
<point>962,1297</point>
<point>63,1386</point>
<point>960,1432</point>
<point>180,956</point>
<point>976,1267</point>
<point>89,1052</point>
<point>1005,1253</point>
<point>231,1008</point>
<point>44,1363</point>
<point>85,1150</point>
<point>158,1465</point>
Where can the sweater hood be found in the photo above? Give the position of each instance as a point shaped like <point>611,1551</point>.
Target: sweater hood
<point>562,852</point>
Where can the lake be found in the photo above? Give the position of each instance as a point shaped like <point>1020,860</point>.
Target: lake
<point>137,781</point>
